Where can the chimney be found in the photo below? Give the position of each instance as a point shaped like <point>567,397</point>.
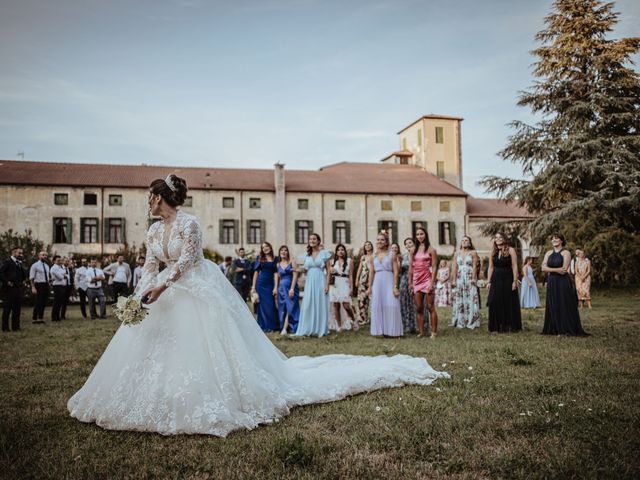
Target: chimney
<point>280,206</point>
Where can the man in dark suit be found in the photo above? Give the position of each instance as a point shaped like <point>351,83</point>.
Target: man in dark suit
<point>12,276</point>
<point>243,274</point>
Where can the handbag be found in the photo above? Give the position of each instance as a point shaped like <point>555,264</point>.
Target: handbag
<point>255,298</point>
<point>332,279</point>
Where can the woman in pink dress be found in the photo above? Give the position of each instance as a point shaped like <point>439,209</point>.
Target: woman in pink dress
<point>421,277</point>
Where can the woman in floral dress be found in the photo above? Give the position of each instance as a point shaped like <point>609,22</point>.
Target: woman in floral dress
<point>443,285</point>
<point>362,283</point>
<point>466,302</point>
<point>407,305</point>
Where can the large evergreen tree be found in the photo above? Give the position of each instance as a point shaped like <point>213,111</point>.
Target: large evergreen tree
<point>581,160</point>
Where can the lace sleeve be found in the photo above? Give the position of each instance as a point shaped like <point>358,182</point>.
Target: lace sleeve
<point>150,269</point>
<point>190,253</point>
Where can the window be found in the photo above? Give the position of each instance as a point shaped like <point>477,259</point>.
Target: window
<point>62,228</point>
<point>188,202</point>
<point>447,233</point>
<point>386,205</point>
<point>439,135</point>
<point>416,206</point>
<point>115,200</point>
<point>91,199</point>
<point>256,231</point>
<point>341,232</point>
<point>341,204</point>
<point>440,169</point>
<point>254,203</point>
<point>88,230</point>
<point>114,230</point>
<point>228,202</point>
<point>420,137</point>
<point>416,225</point>
<point>61,198</point>
<point>229,231</point>
<point>445,206</point>
<point>404,160</point>
<point>303,204</point>
<point>404,143</point>
<point>304,228</point>
<point>389,227</point>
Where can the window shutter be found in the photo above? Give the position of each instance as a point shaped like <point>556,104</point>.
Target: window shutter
<point>348,232</point>
<point>248,224</point>
<point>53,235</point>
<point>441,233</point>
<point>105,230</point>
<point>380,225</point>
<point>297,230</point>
<point>334,231</point>
<point>124,230</point>
<point>220,231</point>
<point>310,223</point>
<point>263,231</point>
<point>452,232</point>
<point>394,226</point>
<point>236,231</point>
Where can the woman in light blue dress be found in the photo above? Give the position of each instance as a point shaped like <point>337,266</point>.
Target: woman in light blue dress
<point>314,313</point>
<point>529,297</point>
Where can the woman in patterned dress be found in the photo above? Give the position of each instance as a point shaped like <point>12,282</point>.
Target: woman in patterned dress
<point>583,278</point>
<point>407,305</point>
<point>466,300</point>
<point>362,283</point>
<point>443,285</point>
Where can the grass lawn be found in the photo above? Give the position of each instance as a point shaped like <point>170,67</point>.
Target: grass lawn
<point>518,406</point>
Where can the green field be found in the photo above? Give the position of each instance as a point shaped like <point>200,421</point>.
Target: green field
<point>518,406</point>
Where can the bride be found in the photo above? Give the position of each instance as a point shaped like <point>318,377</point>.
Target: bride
<point>199,362</point>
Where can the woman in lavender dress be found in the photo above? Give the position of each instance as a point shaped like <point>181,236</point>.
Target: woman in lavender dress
<point>386,317</point>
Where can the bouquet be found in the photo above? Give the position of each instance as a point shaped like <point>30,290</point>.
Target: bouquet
<point>129,310</point>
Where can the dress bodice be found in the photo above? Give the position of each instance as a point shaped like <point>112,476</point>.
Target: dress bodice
<point>466,262</point>
<point>344,269</point>
<point>406,262</point>
<point>555,260</point>
<point>502,261</point>
<point>383,266</point>
<point>421,260</point>
<point>318,262</point>
<point>179,247</point>
<point>268,267</point>
<point>285,272</point>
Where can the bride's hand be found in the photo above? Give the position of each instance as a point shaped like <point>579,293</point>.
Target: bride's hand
<point>153,294</point>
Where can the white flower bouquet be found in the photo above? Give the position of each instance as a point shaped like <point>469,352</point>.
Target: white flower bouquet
<point>129,310</point>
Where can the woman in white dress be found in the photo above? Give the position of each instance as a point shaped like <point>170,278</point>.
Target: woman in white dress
<point>199,362</point>
<point>341,290</point>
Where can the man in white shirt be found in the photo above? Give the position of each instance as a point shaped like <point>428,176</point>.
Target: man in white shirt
<point>119,277</point>
<point>137,272</point>
<point>95,277</point>
<point>59,280</point>
<point>80,281</point>
<point>39,277</point>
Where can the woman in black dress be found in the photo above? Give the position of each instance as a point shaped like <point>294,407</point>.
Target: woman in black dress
<point>503,301</point>
<point>561,315</point>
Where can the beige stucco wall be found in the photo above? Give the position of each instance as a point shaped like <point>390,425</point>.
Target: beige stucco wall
<point>33,208</point>
<point>431,152</point>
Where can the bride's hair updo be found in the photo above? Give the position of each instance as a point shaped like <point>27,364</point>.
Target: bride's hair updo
<point>173,198</point>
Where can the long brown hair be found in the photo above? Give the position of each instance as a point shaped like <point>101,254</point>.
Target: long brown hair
<point>263,257</point>
<point>288,253</point>
<point>309,247</point>
<point>426,243</point>
<point>504,249</point>
<point>364,247</point>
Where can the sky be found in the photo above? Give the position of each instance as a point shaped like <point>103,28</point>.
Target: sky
<point>251,83</point>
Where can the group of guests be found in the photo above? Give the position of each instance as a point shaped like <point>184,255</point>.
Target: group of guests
<point>65,279</point>
<point>398,292</point>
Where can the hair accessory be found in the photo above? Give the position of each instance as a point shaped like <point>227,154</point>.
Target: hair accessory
<point>170,183</point>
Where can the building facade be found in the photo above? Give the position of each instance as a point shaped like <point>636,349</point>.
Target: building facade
<point>96,209</point>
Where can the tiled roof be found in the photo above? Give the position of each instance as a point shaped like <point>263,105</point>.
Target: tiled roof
<point>492,207</point>
<point>345,177</point>
<point>432,116</point>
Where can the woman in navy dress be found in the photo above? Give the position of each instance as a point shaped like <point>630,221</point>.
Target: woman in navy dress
<point>288,292</point>
<point>264,283</point>
<point>503,301</point>
<point>561,315</point>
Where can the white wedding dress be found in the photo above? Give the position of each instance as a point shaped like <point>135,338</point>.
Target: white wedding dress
<point>199,363</point>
